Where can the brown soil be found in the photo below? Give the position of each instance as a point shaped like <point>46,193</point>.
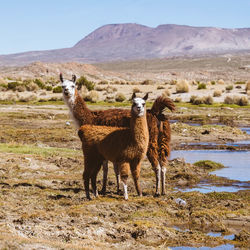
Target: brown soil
<point>43,205</point>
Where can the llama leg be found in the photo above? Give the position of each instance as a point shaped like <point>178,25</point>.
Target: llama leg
<point>124,169</point>
<point>93,179</point>
<point>117,175</point>
<point>135,170</point>
<point>163,180</point>
<point>152,157</point>
<point>164,152</point>
<point>158,179</point>
<point>86,177</point>
<point>105,177</point>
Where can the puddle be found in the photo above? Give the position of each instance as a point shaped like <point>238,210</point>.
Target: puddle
<point>225,237</point>
<point>235,144</point>
<point>237,162</point>
<point>226,247</point>
<point>246,129</point>
<point>204,188</point>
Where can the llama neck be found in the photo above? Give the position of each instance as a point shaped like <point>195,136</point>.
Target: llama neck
<point>79,110</point>
<point>139,128</point>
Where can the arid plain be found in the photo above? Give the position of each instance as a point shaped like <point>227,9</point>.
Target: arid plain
<point>42,199</point>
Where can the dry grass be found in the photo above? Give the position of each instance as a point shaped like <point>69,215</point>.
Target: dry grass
<point>120,97</point>
<point>217,93</point>
<point>92,96</point>
<point>221,82</point>
<point>248,87</point>
<point>182,86</point>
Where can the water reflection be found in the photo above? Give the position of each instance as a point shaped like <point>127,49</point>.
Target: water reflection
<point>237,162</point>
<point>221,247</point>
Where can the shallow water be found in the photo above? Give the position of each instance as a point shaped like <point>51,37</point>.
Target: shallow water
<point>221,247</point>
<point>247,130</point>
<point>203,188</point>
<point>237,162</point>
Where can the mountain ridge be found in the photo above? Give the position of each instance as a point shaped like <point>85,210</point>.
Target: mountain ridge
<point>130,41</point>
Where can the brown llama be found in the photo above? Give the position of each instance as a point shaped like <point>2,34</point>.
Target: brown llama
<point>158,125</point>
<point>125,147</point>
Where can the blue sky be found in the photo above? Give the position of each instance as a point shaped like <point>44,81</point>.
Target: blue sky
<point>27,25</point>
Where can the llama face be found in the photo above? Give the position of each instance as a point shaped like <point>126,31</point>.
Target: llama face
<point>138,106</point>
<point>68,87</point>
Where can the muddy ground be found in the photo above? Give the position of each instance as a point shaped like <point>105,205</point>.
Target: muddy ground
<point>42,201</point>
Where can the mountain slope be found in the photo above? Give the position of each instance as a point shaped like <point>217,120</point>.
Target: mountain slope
<point>133,41</point>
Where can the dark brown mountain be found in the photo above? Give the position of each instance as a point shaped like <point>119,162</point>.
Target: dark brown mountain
<point>133,41</point>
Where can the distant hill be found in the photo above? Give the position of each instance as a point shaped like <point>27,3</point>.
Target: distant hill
<point>133,41</point>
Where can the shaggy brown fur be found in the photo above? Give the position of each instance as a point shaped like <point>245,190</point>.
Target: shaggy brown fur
<point>124,146</point>
<point>158,125</point>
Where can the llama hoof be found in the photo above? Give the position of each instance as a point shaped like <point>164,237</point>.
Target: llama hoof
<point>102,192</point>
<point>157,195</point>
<point>119,192</point>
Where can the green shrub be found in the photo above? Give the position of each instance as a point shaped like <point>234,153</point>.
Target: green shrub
<point>3,85</point>
<point>230,87</point>
<point>57,89</point>
<point>39,83</point>
<point>120,97</point>
<point>212,82</point>
<point>202,86</point>
<point>12,85</point>
<point>209,165</point>
<point>48,88</point>
<point>88,84</point>
<point>240,82</point>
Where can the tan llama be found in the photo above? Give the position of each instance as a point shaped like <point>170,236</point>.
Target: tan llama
<point>124,146</point>
<point>158,125</point>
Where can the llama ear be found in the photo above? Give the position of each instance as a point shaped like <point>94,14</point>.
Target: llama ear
<point>133,96</point>
<point>145,97</point>
<point>73,78</point>
<point>61,77</point>
<point>79,86</point>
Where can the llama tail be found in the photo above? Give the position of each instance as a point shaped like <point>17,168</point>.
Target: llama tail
<point>160,104</point>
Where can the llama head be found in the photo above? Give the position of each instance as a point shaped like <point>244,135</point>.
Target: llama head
<point>68,86</point>
<point>138,105</point>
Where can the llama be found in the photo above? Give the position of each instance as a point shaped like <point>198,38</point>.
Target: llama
<point>158,125</point>
<point>124,146</point>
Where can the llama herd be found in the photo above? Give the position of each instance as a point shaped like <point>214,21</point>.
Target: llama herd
<point>121,136</point>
